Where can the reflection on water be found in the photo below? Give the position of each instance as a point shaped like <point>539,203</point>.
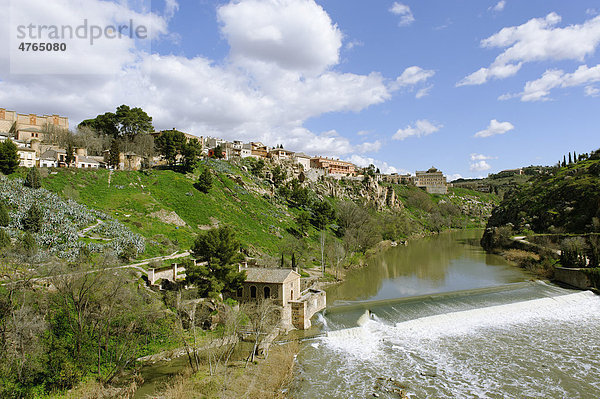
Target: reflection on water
<point>447,262</point>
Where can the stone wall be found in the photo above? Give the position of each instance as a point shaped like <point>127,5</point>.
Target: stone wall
<point>574,277</point>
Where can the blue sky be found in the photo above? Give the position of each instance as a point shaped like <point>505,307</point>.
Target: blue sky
<point>472,87</point>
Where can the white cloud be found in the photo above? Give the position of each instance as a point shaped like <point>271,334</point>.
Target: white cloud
<point>369,147</point>
<point>591,11</point>
<point>499,6</point>
<point>384,167</point>
<point>495,128</point>
<point>423,92</point>
<point>354,43</point>
<point>171,7</point>
<point>413,75</point>
<point>422,127</point>
<point>536,40</point>
<point>539,90</point>
<point>592,91</point>
<point>259,93</point>
<point>406,16</point>
<point>479,166</point>
<point>295,35</point>
<point>364,132</point>
<point>480,157</point>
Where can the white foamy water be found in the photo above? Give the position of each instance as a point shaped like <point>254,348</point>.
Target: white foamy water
<point>539,348</point>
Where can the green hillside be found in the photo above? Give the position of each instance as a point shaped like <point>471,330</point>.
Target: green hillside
<point>564,201</point>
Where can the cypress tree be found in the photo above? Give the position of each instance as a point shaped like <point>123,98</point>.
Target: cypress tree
<point>33,178</point>
<point>69,158</point>
<point>294,260</point>
<point>570,159</point>
<point>564,161</point>
<point>114,154</point>
<point>33,219</point>
<point>282,260</point>
<point>4,217</point>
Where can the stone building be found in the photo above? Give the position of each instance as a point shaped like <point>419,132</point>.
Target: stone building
<point>432,180</point>
<point>333,166</point>
<point>302,159</point>
<point>29,127</point>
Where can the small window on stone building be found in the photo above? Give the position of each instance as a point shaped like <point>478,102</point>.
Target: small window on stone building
<point>267,292</point>
<point>240,292</point>
<point>252,292</point>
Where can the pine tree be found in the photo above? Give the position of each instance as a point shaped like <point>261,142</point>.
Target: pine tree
<point>9,157</point>
<point>4,218</point>
<point>205,181</point>
<point>33,178</point>
<point>33,219</point>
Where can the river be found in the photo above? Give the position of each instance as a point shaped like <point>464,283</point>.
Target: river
<point>441,318</point>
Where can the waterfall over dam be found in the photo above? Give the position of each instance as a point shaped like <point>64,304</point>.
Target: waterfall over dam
<point>529,340</point>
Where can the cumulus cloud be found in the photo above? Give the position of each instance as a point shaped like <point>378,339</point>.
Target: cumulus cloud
<point>480,157</point>
<point>421,128</point>
<point>539,90</point>
<point>171,7</point>
<point>454,176</point>
<point>384,167</point>
<point>539,39</point>
<point>592,91</point>
<point>495,128</point>
<point>295,35</point>
<point>276,76</point>
<point>406,16</point>
<point>413,75</point>
<point>479,166</point>
<point>369,146</point>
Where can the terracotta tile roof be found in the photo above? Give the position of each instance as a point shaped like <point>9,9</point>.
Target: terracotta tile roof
<point>269,275</point>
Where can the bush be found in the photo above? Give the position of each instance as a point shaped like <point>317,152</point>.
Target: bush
<point>205,181</point>
<point>4,218</point>
<point>33,219</point>
<point>4,239</point>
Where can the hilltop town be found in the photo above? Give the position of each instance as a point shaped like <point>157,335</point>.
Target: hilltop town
<point>36,138</point>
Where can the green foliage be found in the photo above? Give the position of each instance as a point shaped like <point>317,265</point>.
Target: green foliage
<point>303,220</point>
<point>322,214</point>
<point>170,144</point>
<point>114,154</point>
<point>125,122</point>
<point>257,166</point>
<point>219,152</point>
<point>28,243</point>
<point>4,217</point>
<point>190,153</point>
<point>4,239</point>
<point>70,157</point>
<point>221,250</point>
<point>220,243</point>
<point>205,181</point>
<point>33,219</point>
<point>279,175</point>
<point>565,201</point>
<point>33,179</point>
<point>9,157</point>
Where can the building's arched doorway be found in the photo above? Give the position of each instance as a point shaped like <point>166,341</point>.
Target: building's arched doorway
<point>252,291</point>
<point>267,292</point>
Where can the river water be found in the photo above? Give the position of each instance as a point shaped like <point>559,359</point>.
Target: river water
<point>442,319</point>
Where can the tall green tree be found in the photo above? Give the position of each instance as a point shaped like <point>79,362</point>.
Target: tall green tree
<point>33,219</point>
<point>114,154</point>
<point>221,250</point>
<point>33,179</point>
<point>170,144</point>
<point>70,157</point>
<point>190,153</point>
<point>9,157</point>
<point>205,181</point>
<point>4,217</point>
<point>125,122</point>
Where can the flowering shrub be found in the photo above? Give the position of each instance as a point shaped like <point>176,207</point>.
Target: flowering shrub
<point>62,221</point>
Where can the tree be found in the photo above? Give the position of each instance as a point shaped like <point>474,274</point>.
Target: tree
<point>279,175</point>
<point>114,155</point>
<point>4,239</point>
<point>70,157</point>
<point>170,144</point>
<point>570,159</point>
<point>29,244</point>
<point>263,316</point>
<point>9,157</point>
<point>303,220</point>
<point>133,121</point>
<point>293,260</point>
<point>190,152</point>
<point>33,179</point>
<point>4,217</point>
<point>282,262</point>
<point>220,249</point>
<point>205,181</point>
<point>218,152</point>
<point>33,219</point>
<point>323,214</point>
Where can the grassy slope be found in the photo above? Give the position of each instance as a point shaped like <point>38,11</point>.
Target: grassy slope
<point>261,222</point>
<point>133,196</point>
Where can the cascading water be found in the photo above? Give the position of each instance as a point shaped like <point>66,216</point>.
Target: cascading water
<point>538,341</point>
